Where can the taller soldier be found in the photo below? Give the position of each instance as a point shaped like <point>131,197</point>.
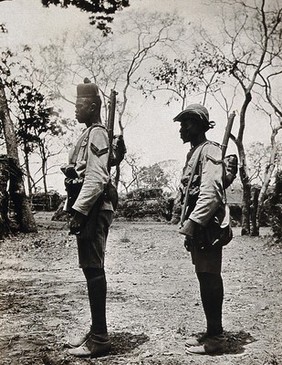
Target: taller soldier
<point>206,198</point>
<point>92,213</point>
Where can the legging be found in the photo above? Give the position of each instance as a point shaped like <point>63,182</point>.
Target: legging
<point>97,291</point>
<point>211,289</point>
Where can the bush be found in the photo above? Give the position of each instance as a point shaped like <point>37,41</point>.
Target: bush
<point>143,203</point>
<point>46,202</point>
<point>274,205</point>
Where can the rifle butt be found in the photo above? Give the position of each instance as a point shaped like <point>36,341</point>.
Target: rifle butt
<point>227,133</point>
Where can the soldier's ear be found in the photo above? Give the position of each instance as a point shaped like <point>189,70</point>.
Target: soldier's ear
<point>93,107</point>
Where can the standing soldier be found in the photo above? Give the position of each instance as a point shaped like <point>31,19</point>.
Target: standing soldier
<point>203,172</point>
<point>87,179</point>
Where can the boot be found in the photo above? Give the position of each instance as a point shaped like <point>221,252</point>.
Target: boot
<point>213,345</point>
<point>92,347</point>
<point>77,341</point>
<point>194,341</point>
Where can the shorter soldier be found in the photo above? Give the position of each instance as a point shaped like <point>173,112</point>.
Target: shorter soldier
<point>206,198</point>
<point>87,179</point>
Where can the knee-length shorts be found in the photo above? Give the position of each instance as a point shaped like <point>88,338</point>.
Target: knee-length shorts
<point>91,243</point>
<point>208,259</point>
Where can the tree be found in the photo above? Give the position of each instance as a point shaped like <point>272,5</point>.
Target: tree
<point>153,177</point>
<point>32,111</point>
<point>275,208</point>
<point>130,50</point>
<point>272,95</point>
<point>264,162</point>
<point>248,60</point>
<point>22,205</point>
<point>106,9</point>
<point>258,156</point>
<point>35,123</point>
<point>130,169</point>
<point>182,77</point>
<point>172,170</point>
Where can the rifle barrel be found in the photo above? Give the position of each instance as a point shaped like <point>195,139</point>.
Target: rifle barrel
<point>111,119</point>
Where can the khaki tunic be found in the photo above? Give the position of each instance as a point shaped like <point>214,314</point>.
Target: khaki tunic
<point>211,197</point>
<point>211,192</point>
<point>90,156</point>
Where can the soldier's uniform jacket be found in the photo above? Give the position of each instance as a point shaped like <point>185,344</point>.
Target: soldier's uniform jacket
<point>90,158</point>
<point>207,182</point>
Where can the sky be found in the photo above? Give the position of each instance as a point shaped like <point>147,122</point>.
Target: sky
<point>151,133</point>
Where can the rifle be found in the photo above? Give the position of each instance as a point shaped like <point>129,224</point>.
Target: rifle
<point>111,122</point>
<point>224,145</point>
<point>110,190</point>
<point>227,134</point>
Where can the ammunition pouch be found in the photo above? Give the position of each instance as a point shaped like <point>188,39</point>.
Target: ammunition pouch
<point>118,150</point>
<point>69,171</point>
<point>215,234</point>
<point>73,187</point>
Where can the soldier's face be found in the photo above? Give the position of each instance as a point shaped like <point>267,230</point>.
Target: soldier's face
<point>189,130</point>
<point>83,110</point>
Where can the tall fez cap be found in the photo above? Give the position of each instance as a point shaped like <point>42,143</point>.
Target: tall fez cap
<point>193,110</point>
<point>87,90</point>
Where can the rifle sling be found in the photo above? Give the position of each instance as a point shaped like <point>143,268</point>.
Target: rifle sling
<point>197,152</point>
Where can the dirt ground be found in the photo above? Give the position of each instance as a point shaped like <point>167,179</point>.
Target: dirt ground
<point>153,299</point>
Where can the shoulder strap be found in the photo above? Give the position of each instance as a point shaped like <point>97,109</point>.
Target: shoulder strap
<point>197,154</point>
<point>78,145</point>
<point>82,138</point>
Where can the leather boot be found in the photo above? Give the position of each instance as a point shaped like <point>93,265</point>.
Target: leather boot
<point>92,347</point>
<point>194,341</point>
<point>77,341</point>
<point>213,345</point>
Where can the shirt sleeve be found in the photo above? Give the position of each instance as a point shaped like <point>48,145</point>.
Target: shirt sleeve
<point>96,171</point>
<point>211,194</point>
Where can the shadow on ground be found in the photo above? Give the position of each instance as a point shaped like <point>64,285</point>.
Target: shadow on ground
<point>235,342</point>
<point>124,342</point>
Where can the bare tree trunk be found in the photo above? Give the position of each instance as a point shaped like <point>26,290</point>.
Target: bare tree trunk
<point>28,175</point>
<point>44,174</point>
<point>22,204</point>
<point>268,173</point>
<point>246,191</point>
<point>254,208</point>
<point>4,178</point>
<point>246,209</point>
<point>243,166</point>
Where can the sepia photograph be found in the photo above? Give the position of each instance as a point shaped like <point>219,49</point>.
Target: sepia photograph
<point>140,182</point>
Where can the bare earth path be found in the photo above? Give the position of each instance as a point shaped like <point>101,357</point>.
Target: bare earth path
<point>153,300</point>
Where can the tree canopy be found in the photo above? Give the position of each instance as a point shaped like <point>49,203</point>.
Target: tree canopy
<point>105,9</point>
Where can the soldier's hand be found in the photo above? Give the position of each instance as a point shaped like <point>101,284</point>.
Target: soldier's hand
<point>77,223</point>
<point>174,220</point>
<point>188,242</point>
